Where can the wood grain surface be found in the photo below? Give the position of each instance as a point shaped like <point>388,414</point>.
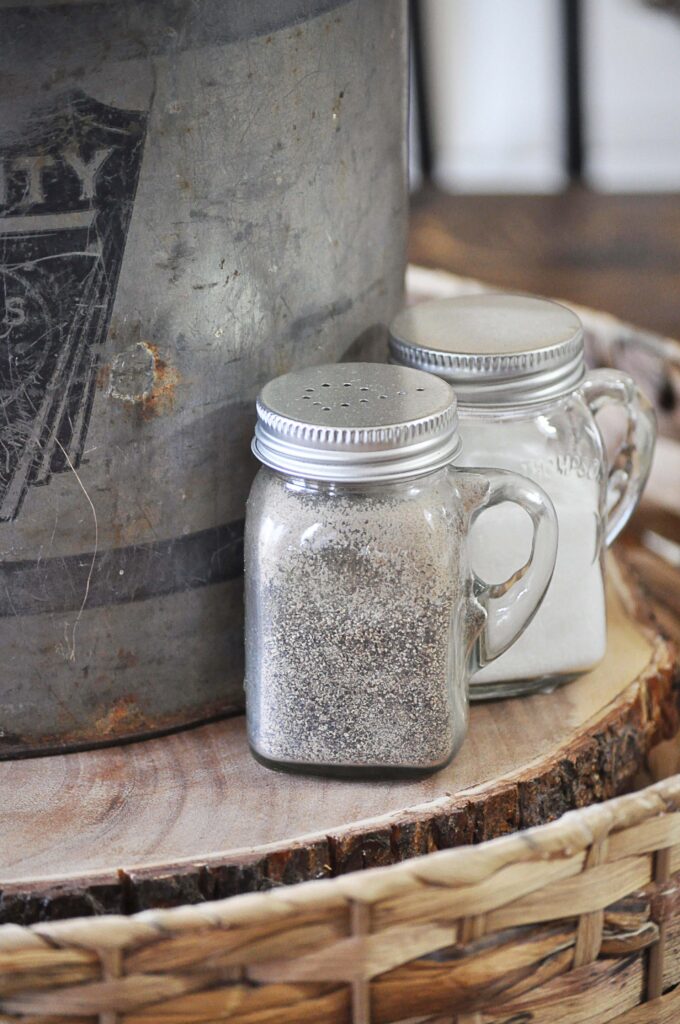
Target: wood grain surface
<point>192,816</point>
<point>619,253</point>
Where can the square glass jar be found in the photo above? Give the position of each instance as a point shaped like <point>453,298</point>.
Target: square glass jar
<point>364,618</point>
<point>527,404</point>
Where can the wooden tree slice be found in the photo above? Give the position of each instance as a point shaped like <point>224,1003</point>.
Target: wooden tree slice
<point>191,816</point>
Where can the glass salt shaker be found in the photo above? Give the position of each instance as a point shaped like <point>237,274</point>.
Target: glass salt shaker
<point>363,615</point>
<point>527,404</point>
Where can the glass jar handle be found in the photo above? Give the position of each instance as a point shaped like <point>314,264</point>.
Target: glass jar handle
<point>511,604</point>
<point>630,466</point>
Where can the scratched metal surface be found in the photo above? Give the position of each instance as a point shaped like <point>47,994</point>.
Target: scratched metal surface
<point>195,196</point>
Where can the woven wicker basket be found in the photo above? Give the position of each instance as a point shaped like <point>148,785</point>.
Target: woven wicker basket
<point>574,922</point>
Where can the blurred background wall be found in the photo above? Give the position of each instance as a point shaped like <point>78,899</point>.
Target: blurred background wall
<point>545,158</point>
<point>513,96</point>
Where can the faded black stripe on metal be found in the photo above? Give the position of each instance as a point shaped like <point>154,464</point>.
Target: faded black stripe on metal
<point>122,575</point>
<point>139,29</point>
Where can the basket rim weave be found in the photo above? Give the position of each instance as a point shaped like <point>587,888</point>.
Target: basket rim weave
<point>575,832</point>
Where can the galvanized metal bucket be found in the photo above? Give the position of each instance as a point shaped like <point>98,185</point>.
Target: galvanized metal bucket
<point>195,196</point>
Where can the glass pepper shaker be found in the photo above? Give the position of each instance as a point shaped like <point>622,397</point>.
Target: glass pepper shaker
<point>526,403</point>
<point>363,616</point>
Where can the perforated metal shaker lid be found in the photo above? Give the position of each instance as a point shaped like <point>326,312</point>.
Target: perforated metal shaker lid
<point>354,422</point>
<point>493,348</point>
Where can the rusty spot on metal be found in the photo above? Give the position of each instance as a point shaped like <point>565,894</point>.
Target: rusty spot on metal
<point>103,377</point>
<point>161,399</point>
<point>132,373</point>
<point>120,721</point>
<point>139,525</point>
<point>123,715</point>
<point>127,659</point>
<point>142,379</point>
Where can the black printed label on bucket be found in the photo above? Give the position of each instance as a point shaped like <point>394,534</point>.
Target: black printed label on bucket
<point>67,187</point>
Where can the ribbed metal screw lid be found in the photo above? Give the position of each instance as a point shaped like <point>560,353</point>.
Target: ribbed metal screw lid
<point>354,422</point>
<point>493,348</point>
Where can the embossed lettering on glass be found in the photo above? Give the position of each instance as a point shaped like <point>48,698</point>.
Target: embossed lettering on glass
<point>526,403</point>
<point>364,618</point>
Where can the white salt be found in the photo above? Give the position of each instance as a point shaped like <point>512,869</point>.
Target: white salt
<point>569,632</point>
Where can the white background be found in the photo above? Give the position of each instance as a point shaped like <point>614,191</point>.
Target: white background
<point>496,87</point>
